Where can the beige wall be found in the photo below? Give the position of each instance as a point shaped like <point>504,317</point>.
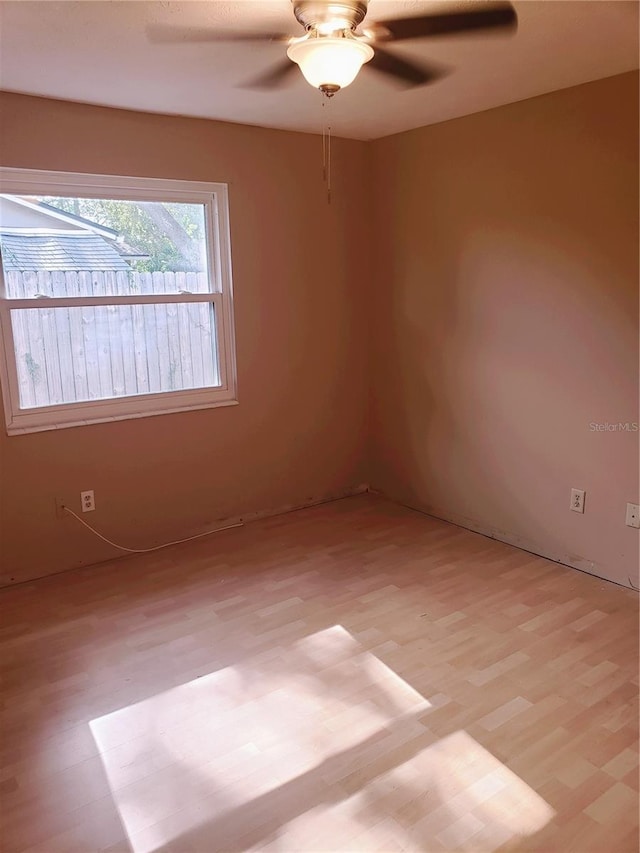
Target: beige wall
<point>502,320</point>
<point>506,322</point>
<point>299,431</point>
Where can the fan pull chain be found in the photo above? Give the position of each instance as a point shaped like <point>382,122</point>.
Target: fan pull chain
<point>324,145</point>
<point>329,165</point>
<point>326,150</point>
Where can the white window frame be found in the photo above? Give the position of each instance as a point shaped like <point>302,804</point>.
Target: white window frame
<point>214,197</point>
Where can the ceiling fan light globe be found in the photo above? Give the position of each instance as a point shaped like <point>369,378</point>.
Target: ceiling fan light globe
<point>330,62</point>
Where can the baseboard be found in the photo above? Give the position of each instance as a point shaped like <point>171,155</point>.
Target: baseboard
<point>246,518</point>
<point>571,560</point>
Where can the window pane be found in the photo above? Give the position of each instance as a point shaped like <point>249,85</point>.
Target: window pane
<point>102,247</point>
<point>69,355</point>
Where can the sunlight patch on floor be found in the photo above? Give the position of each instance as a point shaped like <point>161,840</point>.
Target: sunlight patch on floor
<point>453,795</point>
<point>297,747</point>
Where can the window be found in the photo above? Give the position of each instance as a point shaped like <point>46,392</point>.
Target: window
<point>115,298</point>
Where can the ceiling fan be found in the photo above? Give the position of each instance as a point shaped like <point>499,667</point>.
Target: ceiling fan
<point>335,46</point>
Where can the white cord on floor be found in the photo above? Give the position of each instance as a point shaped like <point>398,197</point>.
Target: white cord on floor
<point>156,547</point>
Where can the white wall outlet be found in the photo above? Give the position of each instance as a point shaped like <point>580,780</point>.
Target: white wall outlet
<point>87,501</point>
<point>577,500</point>
<point>633,515</point>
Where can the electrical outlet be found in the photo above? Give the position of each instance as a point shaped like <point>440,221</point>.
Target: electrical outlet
<point>577,500</point>
<point>633,515</point>
<point>87,501</point>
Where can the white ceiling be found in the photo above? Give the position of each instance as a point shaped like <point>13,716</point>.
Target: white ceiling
<point>98,52</point>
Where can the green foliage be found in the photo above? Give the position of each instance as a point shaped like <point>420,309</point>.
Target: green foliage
<point>138,225</point>
<point>33,367</point>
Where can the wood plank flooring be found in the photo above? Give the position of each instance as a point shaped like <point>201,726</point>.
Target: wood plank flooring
<point>355,676</point>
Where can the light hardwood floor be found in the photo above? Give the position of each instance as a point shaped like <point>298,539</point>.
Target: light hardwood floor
<point>355,676</point>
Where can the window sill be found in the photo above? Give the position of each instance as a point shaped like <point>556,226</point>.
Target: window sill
<point>110,414</point>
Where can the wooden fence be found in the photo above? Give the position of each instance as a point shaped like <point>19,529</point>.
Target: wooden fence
<point>67,355</point>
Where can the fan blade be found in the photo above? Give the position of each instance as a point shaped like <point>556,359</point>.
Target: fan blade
<point>408,72</point>
<point>161,34</point>
<point>273,78</point>
<point>497,16</point>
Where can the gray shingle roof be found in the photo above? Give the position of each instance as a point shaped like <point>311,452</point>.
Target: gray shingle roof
<point>59,252</point>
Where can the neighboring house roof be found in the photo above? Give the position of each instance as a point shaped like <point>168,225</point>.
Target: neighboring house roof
<point>37,236</point>
<point>59,251</point>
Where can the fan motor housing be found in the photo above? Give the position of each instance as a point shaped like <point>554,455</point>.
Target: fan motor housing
<point>347,14</point>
